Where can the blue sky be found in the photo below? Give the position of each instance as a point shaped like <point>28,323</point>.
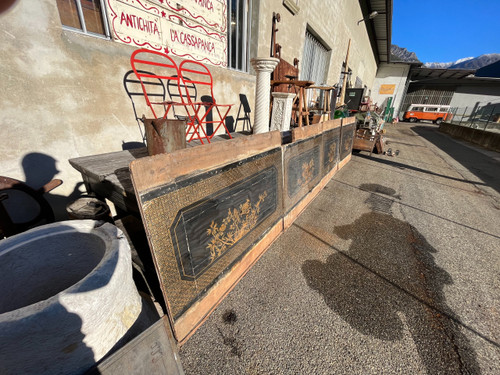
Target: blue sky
<point>447,30</point>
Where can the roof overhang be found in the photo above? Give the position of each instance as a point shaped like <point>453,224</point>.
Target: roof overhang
<point>379,28</point>
<point>423,73</point>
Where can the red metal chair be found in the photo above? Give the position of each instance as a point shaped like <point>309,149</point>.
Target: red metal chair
<point>215,113</point>
<point>154,77</point>
<point>149,72</point>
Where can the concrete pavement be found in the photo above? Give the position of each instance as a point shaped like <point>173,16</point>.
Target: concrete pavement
<point>393,268</point>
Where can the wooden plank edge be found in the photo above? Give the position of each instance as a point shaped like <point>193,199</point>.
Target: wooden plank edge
<point>306,131</point>
<point>187,324</point>
<point>348,120</point>
<point>332,124</point>
<point>295,212</point>
<point>168,313</point>
<point>162,169</point>
<point>345,161</point>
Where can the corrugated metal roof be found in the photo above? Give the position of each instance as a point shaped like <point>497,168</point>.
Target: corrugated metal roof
<point>380,27</point>
<point>418,74</point>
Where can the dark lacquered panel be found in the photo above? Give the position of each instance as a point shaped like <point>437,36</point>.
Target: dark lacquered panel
<point>331,141</point>
<point>347,139</point>
<point>203,232</point>
<point>200,227</point>
<point>302,169</point>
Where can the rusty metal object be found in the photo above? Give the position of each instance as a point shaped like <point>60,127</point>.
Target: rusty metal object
<point>165,136</point>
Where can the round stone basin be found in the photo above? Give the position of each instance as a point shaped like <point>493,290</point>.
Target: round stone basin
<point>66,297</point>
<point>41,267</point>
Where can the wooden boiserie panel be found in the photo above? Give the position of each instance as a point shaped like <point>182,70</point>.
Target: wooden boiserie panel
<point>206,229</point>
<point>347,137</point>
<point>302,168</point>
<point>306,132</point>
<point>331,146</point>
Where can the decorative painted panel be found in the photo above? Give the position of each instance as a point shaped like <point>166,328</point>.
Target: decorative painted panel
<point>200,227</point>
<point>331,140</point>
<point>225,217</point>
<point>189,29</point>
<point>302,169</point>
<point>347,139</point>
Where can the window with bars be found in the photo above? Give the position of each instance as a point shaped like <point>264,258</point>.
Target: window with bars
<point>238,32</point>
<point>87,16</point>
<point>315,61</point>
<point>420,95</point>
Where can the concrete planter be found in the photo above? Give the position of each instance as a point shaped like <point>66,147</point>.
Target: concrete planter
<point>67,297</point>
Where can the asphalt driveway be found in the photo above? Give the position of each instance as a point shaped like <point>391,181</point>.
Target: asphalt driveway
<point>393,268</point>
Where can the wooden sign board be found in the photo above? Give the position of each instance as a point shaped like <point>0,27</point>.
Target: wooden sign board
<point>189,29</point>
<point>207,224</point>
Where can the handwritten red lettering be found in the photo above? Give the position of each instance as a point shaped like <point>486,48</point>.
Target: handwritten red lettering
<point>139,23</point>
<point>193,41</point>
<point>207,4</point>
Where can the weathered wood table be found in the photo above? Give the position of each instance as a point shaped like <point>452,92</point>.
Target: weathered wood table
<point>108,176</point>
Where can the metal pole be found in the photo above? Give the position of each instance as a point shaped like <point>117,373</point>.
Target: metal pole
<point>489,118</point>
<point>461,118</point>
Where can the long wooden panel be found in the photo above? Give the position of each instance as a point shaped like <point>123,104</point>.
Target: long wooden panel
<point>348,129</point>
<point>302,168</point>
<point>206,229</point>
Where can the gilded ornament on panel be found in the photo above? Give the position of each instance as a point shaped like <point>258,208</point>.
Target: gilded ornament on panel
<point>237,223</point>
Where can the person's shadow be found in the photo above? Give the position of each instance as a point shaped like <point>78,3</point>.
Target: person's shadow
<point>388,281</point>
<point>23,207</point>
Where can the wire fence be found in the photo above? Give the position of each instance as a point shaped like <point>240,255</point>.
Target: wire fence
<point>485,117</point>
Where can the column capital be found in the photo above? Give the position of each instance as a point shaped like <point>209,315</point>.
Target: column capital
<point>264,64</point>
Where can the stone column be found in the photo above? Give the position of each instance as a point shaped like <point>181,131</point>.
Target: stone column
<point>282,111</point>
<point>264,67</point>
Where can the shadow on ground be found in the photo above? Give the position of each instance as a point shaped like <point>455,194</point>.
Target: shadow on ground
<point>388,283</point>
<point>477,163</point>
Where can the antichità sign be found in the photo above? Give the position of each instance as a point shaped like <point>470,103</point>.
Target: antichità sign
<point>193,29</point>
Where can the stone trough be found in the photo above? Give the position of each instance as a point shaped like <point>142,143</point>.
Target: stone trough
<point>67,297</point>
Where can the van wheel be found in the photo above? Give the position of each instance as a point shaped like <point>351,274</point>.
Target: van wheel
<point>413,119</point>
<point>439,121</point>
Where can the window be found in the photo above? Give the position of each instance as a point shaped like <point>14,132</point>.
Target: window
<point>315,61</point>
<point>87,16</point>
<point>237,36</point>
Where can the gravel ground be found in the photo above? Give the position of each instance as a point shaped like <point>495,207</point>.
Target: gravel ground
<point>393,269</point>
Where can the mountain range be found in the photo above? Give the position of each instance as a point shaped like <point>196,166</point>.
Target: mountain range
<point>468,62</point>
<point>402,54</point>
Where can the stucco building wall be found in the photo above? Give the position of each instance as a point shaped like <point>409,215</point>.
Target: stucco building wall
<point>468,96</point>
<point>390,74</point>
<point>334,22</point>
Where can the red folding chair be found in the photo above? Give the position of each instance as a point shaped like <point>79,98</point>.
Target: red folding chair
<point>215,114</point>
<point>153,77</point>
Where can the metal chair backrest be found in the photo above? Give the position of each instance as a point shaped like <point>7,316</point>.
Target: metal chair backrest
<point>200,75</point>
<point>148,71</point>
<point>155,90</point>
<point>179,91</point>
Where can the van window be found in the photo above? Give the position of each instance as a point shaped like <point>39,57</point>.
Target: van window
<point>417,109</point>
<point>431,109</point>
